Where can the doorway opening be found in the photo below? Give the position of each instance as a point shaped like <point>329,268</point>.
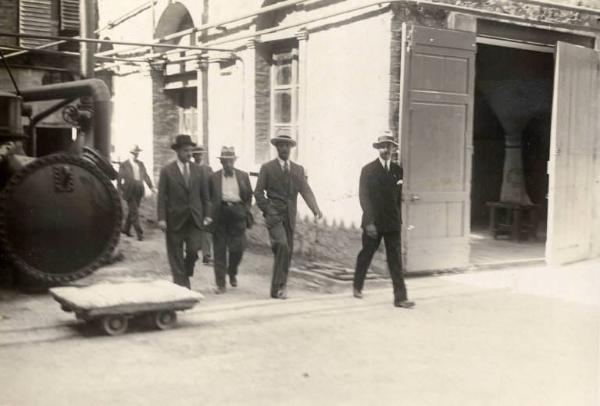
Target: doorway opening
<point>511,144</point>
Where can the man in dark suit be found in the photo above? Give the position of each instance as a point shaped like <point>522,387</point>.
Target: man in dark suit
<point>130,181</point>
<point>200,156</point>
<point>277,188</point>
<point>380,193</point>
<point>183,204</point>
<point>231,195</point>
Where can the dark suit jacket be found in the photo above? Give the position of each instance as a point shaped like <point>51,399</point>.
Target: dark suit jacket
<point>177,202</point>
<point>274,199</point>
<point>380,196</point>
<point>216,193</point>
<point>125,179</point>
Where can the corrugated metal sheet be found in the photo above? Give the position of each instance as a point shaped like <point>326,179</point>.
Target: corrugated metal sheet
<point>35,17</point>
<point>69,15</point>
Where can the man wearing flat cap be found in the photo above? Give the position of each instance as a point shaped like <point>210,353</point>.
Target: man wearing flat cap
<point>276,193</point>
<point>130,181</point>
<point>200,157</point>
<point>183,207</point>
<point>380,193</point>
<point>231,195</point>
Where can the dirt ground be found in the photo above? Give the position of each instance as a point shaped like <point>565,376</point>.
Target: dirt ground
<point>147,259</point>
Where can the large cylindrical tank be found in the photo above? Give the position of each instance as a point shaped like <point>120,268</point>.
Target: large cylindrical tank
<point>60,218</point>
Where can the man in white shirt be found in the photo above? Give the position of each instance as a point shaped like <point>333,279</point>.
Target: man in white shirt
<point>130,181</point>
<point>231,195</point>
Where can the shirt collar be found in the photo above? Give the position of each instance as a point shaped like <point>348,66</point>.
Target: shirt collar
<point>282,162</point>
<point>383,162</point>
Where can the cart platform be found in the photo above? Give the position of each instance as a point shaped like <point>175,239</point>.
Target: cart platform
<point>113,304</point>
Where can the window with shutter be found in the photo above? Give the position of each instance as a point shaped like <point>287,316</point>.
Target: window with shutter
<point>69,15</point>
<point>35,17</point>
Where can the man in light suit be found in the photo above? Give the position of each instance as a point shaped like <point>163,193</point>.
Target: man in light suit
<point>183,205</point>
<point>380,194</point>
<point>231,195</point>
<point>276,193</point>
<point>130,181</point>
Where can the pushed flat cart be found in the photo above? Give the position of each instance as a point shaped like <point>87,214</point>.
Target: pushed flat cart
<point>112,305</point>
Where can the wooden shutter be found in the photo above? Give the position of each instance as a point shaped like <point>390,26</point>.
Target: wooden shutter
<point>35,17</point>
<point>438,71</point>
<point>571,167</point>
<point>69,15</point>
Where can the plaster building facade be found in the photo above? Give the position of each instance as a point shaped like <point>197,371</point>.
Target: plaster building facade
<point>492,101</point>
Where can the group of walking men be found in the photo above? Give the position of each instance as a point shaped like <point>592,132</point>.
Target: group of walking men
<point>194,203</point>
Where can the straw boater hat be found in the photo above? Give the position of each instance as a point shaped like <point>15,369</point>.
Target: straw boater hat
<point>386,137</point>
<point>198,150</point>
<point>227,153</point>
<point>182,140</point>
<point>136,148</point>
<point>283,139</point>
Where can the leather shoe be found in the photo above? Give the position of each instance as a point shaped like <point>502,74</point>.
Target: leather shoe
<point>233,281</point>
<point>406,304</point>
<point>282,294</point>
<point>357,293</point>
<point>220,290</point>
<point>140,237</point>
<point>127,233</point>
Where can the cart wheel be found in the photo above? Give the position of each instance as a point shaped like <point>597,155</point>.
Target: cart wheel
<point>164,319</point>
<point>114,325</point>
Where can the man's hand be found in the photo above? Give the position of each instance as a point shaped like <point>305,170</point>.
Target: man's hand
<point>207,221</point>
<point>318,215</point>
<point>371,230</point>
<point>162,225</point>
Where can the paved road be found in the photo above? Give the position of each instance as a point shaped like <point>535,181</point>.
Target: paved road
<point>494,338</point>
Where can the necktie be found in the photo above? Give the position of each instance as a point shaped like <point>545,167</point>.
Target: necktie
<point>286,169</point>
<point>387,166</point>
<point>186,174</point>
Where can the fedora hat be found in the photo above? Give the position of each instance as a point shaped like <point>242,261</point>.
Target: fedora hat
<point>227,153</point>
<point>283,139</point>
<point>386,137</point>
<point>136,148</point>
<point>182,140</point>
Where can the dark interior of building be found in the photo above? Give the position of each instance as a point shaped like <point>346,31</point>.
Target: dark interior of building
<point>513,94</point>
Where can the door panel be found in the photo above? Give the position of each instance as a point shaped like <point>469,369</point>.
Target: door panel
<point>572,143</point>
<point>437,88</point>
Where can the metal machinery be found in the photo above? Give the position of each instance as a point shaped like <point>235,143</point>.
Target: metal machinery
<point>60,214</point>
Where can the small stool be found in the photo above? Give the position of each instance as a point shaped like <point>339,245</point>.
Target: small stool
<point>515,220</point>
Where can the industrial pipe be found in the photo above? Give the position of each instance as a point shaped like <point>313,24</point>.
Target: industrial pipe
<point>94,88</point>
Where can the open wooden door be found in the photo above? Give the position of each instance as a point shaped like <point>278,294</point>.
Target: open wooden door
<point>575,116</point>
<point>436,105</point>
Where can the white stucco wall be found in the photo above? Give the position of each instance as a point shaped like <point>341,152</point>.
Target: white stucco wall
<point>225,102</point>
<point>348,74</point>
<point>132,116</point>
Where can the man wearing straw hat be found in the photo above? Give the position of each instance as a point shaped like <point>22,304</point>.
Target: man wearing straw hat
<point>277,188</point>
<point>200,156</point>
<point>130,181</point>
<point>231,195</point>
<point>183,207</point>
<point>380,190</point>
